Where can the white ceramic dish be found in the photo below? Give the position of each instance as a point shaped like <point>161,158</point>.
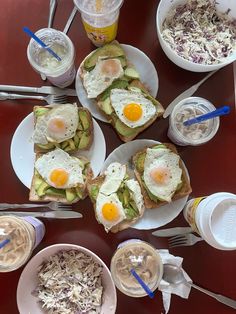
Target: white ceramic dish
<point>144,66</point>
<point>22,150</point>
<point>164,8</point>
<point>152,218</point>
<point>27,303</point>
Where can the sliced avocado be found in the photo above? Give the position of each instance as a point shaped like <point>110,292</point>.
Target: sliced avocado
<point>131,73</point>
<point>40,111</point>
<point>109,50</point>
<point>46,146</point>
<point>124,130</point>
<point>152,99</point>
<point>139,163</point>
<point>134,206</point>
<point>123,61</point>
<point>70,194</point>
<point>130,213</point>
<point>67,149</point>
<point>106,106</point>
<point>159,146</point>
<point>37,182</point>
<point>55,192</point>
<point>42,188</point>
<point>64,144</point>
<point>126,196</point>
<point>84,119</point>
<point>116,84</point>
<point>134,89</point>
<point>94,192</point>
<point>76,140</point>
<point>84,140</point>
<point>71,144</point>
<point>79,192</point>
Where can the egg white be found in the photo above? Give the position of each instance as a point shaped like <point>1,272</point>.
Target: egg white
<point>121,97</point>
<point>115,174</point>
<point>162,158</point>
<point>68,113</point>
<point>135,191</point>
<point>59,159</point>
<point>95,81</point>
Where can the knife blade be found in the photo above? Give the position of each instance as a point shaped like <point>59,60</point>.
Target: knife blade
<point>60,214</point>
<point>50,90</point>
<point>172,231</point>
<point>187,93</point>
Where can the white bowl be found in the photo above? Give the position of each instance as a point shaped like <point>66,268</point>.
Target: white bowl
<point>164,7</point>
<point>27,303</point>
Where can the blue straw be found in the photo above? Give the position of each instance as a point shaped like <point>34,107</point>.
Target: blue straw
<point>142,283</point>
<point>216,113</point>
<point>41,43</point>
<point>4,242</point>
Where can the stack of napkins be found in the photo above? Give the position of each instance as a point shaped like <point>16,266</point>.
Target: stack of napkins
<point>182,289</point>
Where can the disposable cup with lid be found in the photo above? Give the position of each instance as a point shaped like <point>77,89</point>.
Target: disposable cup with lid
<point>195,134</point>
<point>100,19</point>
<point>59,73</point>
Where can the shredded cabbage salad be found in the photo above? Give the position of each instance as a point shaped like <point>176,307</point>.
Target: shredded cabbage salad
<point>199,33</point>
<point>70,283</point>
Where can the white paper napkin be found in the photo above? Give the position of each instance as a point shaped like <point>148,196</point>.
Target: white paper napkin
<point>182,289</point>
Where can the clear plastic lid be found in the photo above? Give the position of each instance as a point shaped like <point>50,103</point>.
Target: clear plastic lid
<point>98,7</point>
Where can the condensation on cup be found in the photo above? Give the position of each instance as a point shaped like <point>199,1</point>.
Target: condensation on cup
<point>59,73</point>
<point>21,235</point>
<point>195,134</point>
<point>213,218</point>
<point>100,19</point>
<point>140,256</point>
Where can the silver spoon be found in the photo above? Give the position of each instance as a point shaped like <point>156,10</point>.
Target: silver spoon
<point>174,274</point>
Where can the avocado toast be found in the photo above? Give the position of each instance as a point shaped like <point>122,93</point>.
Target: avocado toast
<point>123,83</point>
<point>48,117</point>
<point>51,179</point>
<point>172,179</point>
<point>117,200</point>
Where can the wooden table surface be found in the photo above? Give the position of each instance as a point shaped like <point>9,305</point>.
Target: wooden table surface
<point>211,166</point>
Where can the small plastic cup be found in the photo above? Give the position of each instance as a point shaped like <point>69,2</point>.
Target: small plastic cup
<point>59,73</point>
<point>100,19</point>
<point>144,259</point>
<point>195,134</point>
<point>213,217</point>
<point>24,233</point>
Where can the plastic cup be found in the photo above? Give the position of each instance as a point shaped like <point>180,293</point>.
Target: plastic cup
<point>213,217</point>
<point>25,233</point>
<point>59,73</point>
<point>100,19</point>
<point>195,134</point>
<point>144,259</point>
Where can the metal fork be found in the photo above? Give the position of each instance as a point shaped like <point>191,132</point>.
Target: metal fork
<point>50,99</point>
<point>183,240</point>
<point>51,205</point>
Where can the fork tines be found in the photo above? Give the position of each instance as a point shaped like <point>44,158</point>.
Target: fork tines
<point>178,240</point>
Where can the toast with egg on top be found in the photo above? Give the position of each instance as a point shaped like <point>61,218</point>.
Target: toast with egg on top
<point>114,84</point>
<point>117,200</point>
<point>161,175</point>
<point>60,177</point>
<point>64,126</point>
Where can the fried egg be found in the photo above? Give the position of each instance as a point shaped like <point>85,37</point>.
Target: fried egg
<point>135,191</point>
<point>109,210</point>
<point>132,108</point>
<point>56,125</point>
<point>115,174</point>
<point>102,76</point>
<point>162,173</point>
<point>59,169</point>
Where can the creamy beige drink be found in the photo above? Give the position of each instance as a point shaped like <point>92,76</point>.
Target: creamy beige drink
<point>23,236</point>
<point>144,259</point>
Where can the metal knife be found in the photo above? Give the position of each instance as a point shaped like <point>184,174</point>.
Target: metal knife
<point>52,9</point>
<point>50,90</point>
<point>187,93</point>
<point>172,231</point>
<point>60,214</point>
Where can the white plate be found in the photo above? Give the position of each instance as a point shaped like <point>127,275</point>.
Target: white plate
<point>155,217</point>
<point>22,150</point>
<point>144,66</point>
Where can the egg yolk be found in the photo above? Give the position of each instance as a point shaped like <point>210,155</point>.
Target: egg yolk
<point>59,177</point>
<point>110,212</point>
<point>110,67</point>
<point>133,112</point>
<point>159,175</point>
<point>56,125</point>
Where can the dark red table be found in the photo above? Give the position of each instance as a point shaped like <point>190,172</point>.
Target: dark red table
<point>211,166</point>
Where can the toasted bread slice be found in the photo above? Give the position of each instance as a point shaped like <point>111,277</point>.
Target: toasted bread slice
<point>34,197</point>
<point>81,141</point>
<point>126,223</point>
<point>183,191</point>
